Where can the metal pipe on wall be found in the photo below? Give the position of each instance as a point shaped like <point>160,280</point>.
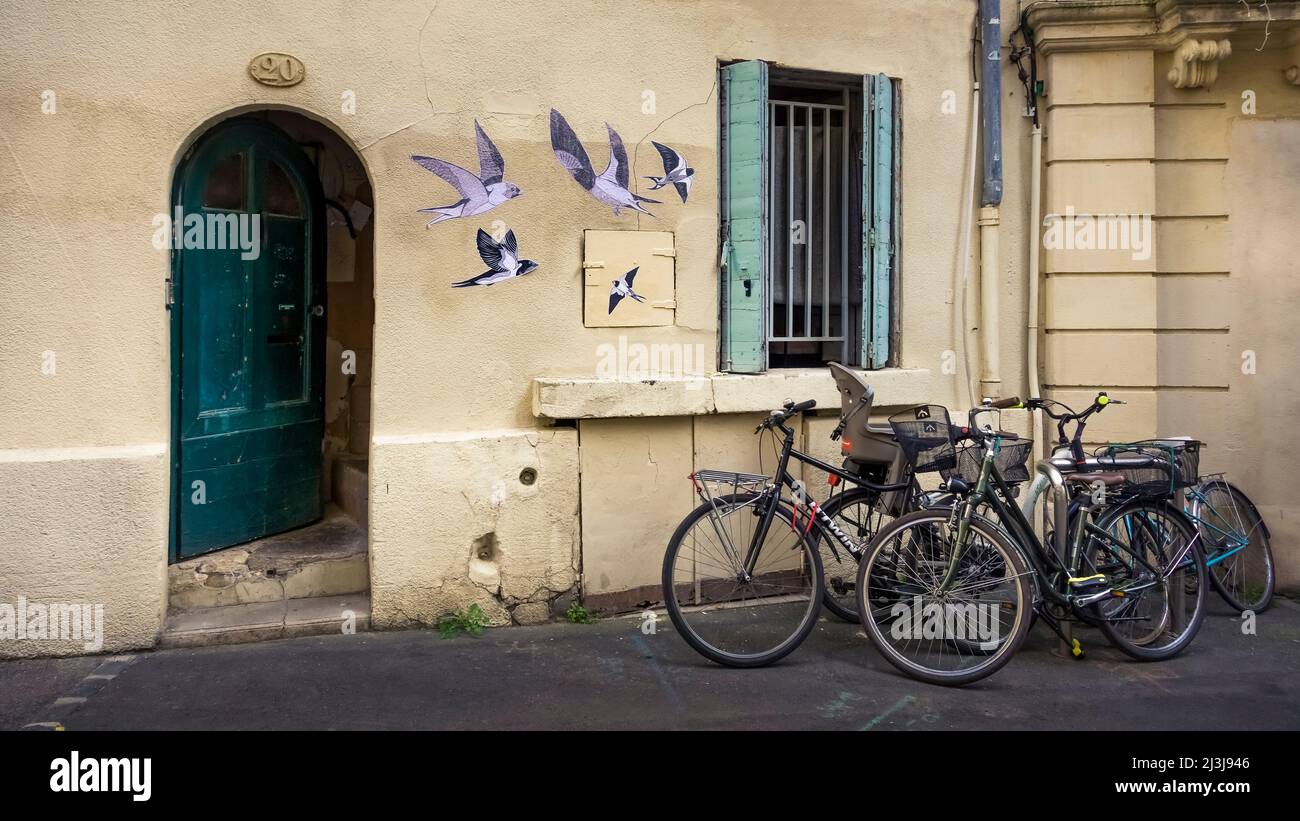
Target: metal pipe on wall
<point>1031,341</point>
<point>991,195</point>
<point>991,100</point>
<point>990,351</point>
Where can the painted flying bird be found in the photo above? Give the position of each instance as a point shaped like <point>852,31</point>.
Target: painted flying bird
<point>675,171</point>
<point>502,259</point>
<point>623,287</point>
<point>610,187</point>
<point>478,193</point>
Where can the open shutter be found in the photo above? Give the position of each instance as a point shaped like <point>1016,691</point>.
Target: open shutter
<point>745,154</point>
<point>878,229</point>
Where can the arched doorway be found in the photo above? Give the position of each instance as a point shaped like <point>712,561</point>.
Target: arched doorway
<point>249,299</point>
<point>271,342</point>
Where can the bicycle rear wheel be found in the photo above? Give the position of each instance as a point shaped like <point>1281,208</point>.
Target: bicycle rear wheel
<point>1237,548</point>
<point>1161,604</point>
<point>731,615</point>
<point>859,513</point>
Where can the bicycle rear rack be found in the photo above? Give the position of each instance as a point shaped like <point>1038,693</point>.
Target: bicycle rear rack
<point>710,484</point>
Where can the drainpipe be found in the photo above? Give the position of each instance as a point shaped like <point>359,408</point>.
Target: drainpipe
<point>1031,342</point>
<point>991,195</point>
<point>963,260</point>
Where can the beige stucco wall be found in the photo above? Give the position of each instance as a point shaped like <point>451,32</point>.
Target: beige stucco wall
<point>85,526</point>
<point>1215,168</point>
<point>452,420</point>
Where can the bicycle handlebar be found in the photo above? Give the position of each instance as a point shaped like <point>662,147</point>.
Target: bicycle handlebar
<point>961,434</point>
<point>1080,418</point>
<point>1070,414</point>
<point>777,418</point>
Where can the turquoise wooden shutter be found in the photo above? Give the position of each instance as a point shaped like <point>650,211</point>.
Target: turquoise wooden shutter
<point>745,154</point>
<point>878,228</point>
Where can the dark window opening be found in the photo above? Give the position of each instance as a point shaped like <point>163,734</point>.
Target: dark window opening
<point>814,218</point>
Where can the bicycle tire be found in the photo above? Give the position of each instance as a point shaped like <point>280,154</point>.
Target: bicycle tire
<point>782,518</point>
<point>1257,529</point>
<point>839,598</point>
<point>1020,580</point>
<point>1141,651</point>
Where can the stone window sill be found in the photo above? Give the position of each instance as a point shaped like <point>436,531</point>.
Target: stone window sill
<point>580,397</point>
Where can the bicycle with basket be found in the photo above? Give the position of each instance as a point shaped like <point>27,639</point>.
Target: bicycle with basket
<point>948,594</point>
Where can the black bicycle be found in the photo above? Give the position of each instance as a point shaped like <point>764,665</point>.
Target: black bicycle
<point>948,595</point>
<point>742,575</point>
<point>873,456</point>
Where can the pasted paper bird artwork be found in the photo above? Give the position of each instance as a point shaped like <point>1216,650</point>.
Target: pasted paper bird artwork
<point>479,193</point>
<point>501,258</point>
<point>611,186</point>
<point>676,172</point>
<point>622,287</point>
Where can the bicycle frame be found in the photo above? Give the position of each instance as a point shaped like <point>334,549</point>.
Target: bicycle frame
<point>1042,560</point>
<point>1236,543</point>
<point>815,512</point>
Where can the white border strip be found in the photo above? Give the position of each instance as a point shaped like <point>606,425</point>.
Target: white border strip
<point>448,437</point>
<point>148,450</point>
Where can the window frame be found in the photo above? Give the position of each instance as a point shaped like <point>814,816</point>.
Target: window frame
<point>874,261</point>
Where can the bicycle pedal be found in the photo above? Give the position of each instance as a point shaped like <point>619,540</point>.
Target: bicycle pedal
<point>1083,583</point>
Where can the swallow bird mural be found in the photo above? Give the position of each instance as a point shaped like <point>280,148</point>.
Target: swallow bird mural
<point>479,193</point>
<point>611,186</point>
<point>501,258</point>
<point>676,172</point>
<point>623,288</point>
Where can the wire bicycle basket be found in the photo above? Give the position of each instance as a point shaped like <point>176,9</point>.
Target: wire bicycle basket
<point>1154,467</point>
<point>924,434</point>
<point>1011,460</point>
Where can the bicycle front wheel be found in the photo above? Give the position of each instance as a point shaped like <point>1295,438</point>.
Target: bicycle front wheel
<point>950,636</point>
<point>1237,548</point>
<point>736,602</point>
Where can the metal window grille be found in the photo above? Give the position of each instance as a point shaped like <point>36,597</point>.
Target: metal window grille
<point>809,218</point>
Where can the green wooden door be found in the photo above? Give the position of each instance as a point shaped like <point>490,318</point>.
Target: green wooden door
<point>248,339</point>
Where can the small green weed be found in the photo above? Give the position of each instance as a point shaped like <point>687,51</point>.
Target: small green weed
<point>579,615</point>
<point>470,621</point>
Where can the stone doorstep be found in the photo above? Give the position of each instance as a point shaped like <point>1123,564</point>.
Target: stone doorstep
<point>330,577</point>
<point>262,621</point>
<point>327,558</point>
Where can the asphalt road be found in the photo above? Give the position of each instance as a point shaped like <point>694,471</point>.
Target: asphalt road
<point>609,675</point>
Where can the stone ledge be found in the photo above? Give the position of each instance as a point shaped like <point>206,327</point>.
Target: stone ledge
<point>580,397</point>
<point>262,621</point>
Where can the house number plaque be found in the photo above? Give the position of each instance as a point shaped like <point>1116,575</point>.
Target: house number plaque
<point>275,69</point>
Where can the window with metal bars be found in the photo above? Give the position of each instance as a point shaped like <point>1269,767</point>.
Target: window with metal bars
<point>809,201</point>
<point>811,317</point>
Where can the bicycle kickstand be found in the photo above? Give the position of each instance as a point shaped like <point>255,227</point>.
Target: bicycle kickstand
<point>1071,643</point>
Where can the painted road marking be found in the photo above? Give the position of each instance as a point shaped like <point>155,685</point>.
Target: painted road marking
<point>97,680</point>
<point>898,705</point>
<point>665,685</point>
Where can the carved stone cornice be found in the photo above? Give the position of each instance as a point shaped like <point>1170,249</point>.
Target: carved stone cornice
<point>1160,25</point>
